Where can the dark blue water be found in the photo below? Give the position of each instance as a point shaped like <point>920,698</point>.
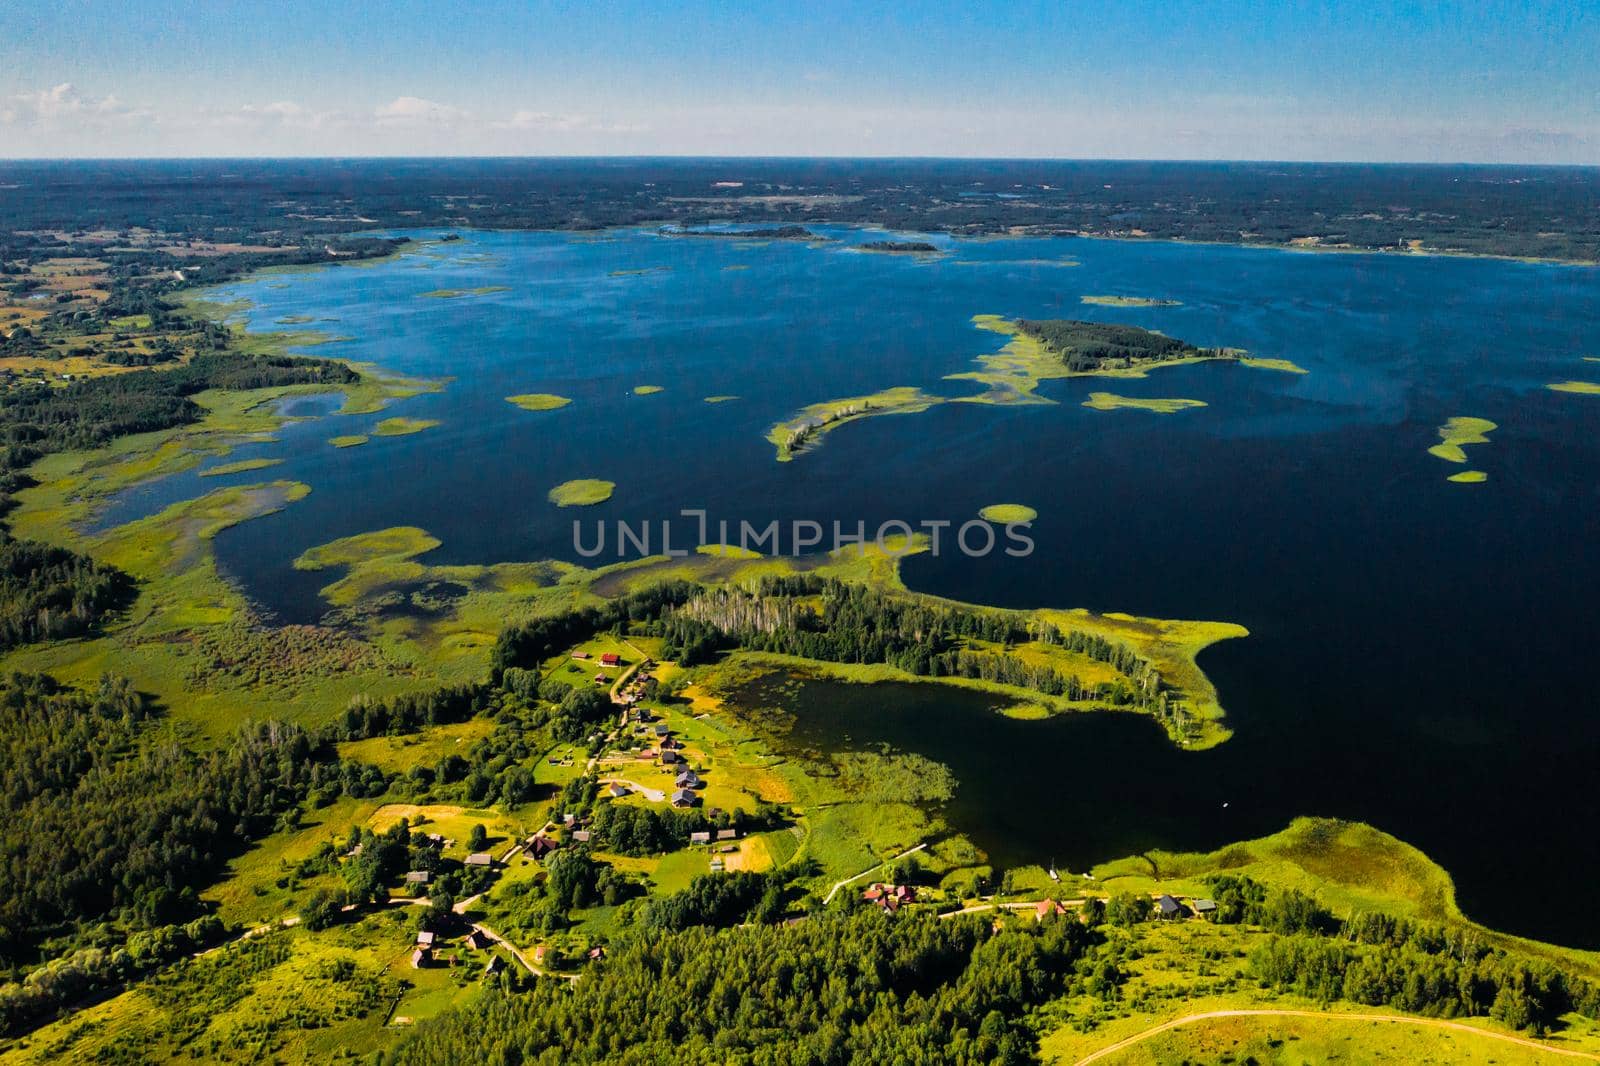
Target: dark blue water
<point>1420,650</point>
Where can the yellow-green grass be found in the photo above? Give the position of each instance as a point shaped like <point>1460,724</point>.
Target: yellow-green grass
<point>648,390</point>
<point>1110,401</point>
<point>1293,1040</point>
<point>1458,433</point>
<point>720,399</point>
<point>582,492</point>
<point>1284,365</point>
<point>1581,388</point>
<point>400,754</point>
<point>806,428</point>
<point>539,401</point>
<point>290,997</point>
<point>1008,513</point>
<point>1130,301</point>
<point>1469,477</point>
<point>728,551</point>
<point>400,426</point>
<point>349,440</point>
<point>456,294</point>
<point>240,467</point>
<point>395,542</point>
<point>259,887</point>
<point>378,387</point>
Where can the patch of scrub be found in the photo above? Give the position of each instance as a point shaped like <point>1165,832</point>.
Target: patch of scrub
<point>1459,432</point>
<point>1130,301</point>
<point>456,294</point>
<point>1582,388</point>
<point>401,427</point>
<point>1110,401</point>
<point>377,387</point>
<point>539,401</point>
<point>294,320</point>
<point>805,430</point>
<point>239,467</point>
<point>639,272</point>
<point>737,266</point>
<point>648,390</point>
<point>1008,513</point>
<point>582,492</point>
<point>1284,365</point>
<point>1469,477</point>
<point>720,399</point>
<point>349,440</point>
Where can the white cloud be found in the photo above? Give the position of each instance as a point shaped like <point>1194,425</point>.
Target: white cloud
<point>64,106</point>
<point>415,111</point>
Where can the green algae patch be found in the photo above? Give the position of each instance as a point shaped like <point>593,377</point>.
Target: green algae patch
<point>378,387</point>
<point>240,467</point>
<point>1110,401</point>
<point>1282,365</point>
<point>806,429</point>
<point>1458,433</point>
<point>1582,388</point>
<point>720,399</point>
<point>1469,477</point>
<point>648,390</point>
<point>1008,513</point>
<point>402,427</point>
<point>583,492</point>
<point>457,294</point>
<point>349,440</point>
<point>395,542</point>
<point>1130,301</point>
<point>538,401</point>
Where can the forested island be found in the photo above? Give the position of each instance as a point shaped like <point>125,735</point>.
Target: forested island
<point>1089,347</point>
<point>897,246</point>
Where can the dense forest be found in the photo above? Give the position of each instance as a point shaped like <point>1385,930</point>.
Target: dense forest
<point>1087,346</point>
<point>833,989</point>
<point>1539,211</point>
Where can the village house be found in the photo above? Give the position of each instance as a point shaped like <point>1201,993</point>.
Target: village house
<point>425,939</point>
<point>682,797</point>
<point>418,877</point>
<point>1204,907</point>
<point>580,655</point>
<point>1049,908</point>
<point>596,954</point>
<point>421,957</point>
<point>1167,907</point>
<point>480,859</point>
<point>700,837</point>
<point>610,658</point>
<point>727,834</point>
<point>617,791</point>
<point>669,757</point>
<point>689,779</point>
<point>540,845</point>
<point>478,940</point>
<point>581,836</point>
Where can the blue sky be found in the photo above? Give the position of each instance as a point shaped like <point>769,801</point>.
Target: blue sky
<point>1492,82</point>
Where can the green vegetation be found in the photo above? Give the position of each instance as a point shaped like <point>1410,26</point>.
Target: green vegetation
<point>1458,433</point>
<point>720,399</point>
<point>349,440</point>
<point>1007,513</point>
<point>1469,477</point>
<point>1130,301</point>
<point>582,492</point>
<point>1110,401</point>
<point>456,294</point>
<point>240,467</point>
<point>1581,388</point>
<point>648,390</point>
<point>914,247</point>
<point>538,401</point>
<point>401,427</point>
<point>806,429</point>
<point>1284,365</point>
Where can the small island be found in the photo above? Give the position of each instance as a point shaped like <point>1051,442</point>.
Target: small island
<point>1458,433</point>
<point>1007,514</point>
<point>1581,388</point>
<point>582,492</point>
<point>1096,347</point>
<point>914,247</point>
<point>770,233</point>
<point>648,390</point>
<point>1110,401</point>
<point>1129,301</point>
<point>402,427</point>
<point>538,401</point>
<point>348,440</point>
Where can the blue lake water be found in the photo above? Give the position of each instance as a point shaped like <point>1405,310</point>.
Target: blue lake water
<point>1418,648</point>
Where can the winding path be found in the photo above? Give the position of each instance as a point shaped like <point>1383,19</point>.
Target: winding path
<point>871,869</point>
<point>1433,1023</point>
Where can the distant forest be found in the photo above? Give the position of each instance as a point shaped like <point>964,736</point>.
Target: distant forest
<point>1551,212</point>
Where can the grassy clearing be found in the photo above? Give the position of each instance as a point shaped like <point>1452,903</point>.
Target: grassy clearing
<point>1110,401</point>
<point>582,492</point>
<point>1581,388</point>
<point>240,467</point>
<point>349,440</point>
<point>1457,434</point>
<point>538,401</point>
<point>402,427</point>
<point>1130,301</point>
